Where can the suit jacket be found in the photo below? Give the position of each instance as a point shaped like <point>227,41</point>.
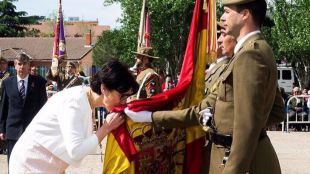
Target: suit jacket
<point>16,113</point>
<point>245,103</point>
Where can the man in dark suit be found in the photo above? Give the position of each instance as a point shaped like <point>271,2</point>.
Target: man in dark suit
<point>23,96</point>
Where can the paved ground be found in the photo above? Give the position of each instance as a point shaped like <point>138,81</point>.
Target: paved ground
<point>293,150</point>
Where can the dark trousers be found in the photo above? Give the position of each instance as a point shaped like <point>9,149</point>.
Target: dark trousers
<point>10,145</point>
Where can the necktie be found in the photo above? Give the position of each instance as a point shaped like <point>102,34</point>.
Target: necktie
<point>22,89</point>
<point>1,75</point>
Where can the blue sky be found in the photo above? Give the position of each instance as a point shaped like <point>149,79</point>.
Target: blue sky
<point>84,9</point>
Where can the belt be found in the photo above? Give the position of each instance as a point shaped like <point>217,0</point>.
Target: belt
<point>226,140</point>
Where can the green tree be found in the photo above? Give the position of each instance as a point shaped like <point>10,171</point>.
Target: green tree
<point>12,23</point>
<point>290,37</point>
<point>170,22</point>
<point>111,45</point>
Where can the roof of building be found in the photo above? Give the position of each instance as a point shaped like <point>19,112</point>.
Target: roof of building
<point>41,48</point>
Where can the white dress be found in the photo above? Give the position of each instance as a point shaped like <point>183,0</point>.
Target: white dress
<point>61,134</point>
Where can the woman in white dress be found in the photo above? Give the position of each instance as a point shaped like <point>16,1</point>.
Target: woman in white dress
<point>61,134</point>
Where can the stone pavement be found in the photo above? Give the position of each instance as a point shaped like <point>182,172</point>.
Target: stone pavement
<point>293,150</point>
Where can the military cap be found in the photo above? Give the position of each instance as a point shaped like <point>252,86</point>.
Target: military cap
<point>236,2</point>
<point>146,51</point>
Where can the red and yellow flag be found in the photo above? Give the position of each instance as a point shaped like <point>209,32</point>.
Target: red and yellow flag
<point>201,49</point>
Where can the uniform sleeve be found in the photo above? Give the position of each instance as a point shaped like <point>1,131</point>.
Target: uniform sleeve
<point>277,113</point>
<point>153,86</point>
<point>179,118</point>
<point>250,76</point>
<point>72,126</point>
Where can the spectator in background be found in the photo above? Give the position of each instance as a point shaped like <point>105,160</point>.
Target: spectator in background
<point>168,84</point>
<point>83,77</point>
<point>296,106</point>
<point>4,74</point>
<point>23,96</point>
<point>34,71</point>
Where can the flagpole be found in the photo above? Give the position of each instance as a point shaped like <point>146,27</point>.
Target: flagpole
<point>59,49</point>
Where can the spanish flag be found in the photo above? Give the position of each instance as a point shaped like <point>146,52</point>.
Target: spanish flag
<point>200,50</point>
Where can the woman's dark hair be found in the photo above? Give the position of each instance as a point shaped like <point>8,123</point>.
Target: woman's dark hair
<point>115,76</point>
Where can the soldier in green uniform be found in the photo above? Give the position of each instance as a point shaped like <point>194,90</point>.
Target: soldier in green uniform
<point>246,101</point>
<point>67,80</point>
<point>147,78</point>
<point>3,72</point>
<point>226,44</point>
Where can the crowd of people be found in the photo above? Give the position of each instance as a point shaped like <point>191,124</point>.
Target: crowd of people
<point>297,107</point>
<point>48,123</point>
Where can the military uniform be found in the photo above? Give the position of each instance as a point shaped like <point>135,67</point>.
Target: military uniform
<point>149,82</point>
<point>213,75</point>
<point>63,81</point>
<point>244,105</point>
<point>148,79</point>
<point>3,76</point>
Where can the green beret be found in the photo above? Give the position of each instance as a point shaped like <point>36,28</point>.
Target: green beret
<point>236,2</point>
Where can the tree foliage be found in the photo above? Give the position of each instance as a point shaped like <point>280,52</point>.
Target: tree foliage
<point>170,21</point>
<point>12,23</point>
<point>290,36</point>
<point>110,45</point>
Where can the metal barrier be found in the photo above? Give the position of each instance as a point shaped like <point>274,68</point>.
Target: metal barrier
<point>304,114</point>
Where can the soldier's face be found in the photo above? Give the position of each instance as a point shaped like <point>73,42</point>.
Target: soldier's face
<point>139,60</point>
<point>3,66</point>
<point>232,20</point>
<point>70,70</point>
<point>228,45</point>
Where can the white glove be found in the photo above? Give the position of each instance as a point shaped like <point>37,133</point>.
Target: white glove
<point>141,116</point>
<point>206,115</point>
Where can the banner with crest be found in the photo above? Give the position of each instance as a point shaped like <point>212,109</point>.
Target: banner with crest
<point>59,48</point>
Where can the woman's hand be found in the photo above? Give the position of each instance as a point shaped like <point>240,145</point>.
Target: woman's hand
<point>113,120</point>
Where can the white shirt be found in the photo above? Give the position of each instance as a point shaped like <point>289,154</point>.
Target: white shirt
<point>19,83</point>
<point>64,126</point>
<point>221,59</point>
<point>243,39</point>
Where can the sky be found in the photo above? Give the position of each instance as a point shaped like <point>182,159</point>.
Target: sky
<point>84,9</point>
